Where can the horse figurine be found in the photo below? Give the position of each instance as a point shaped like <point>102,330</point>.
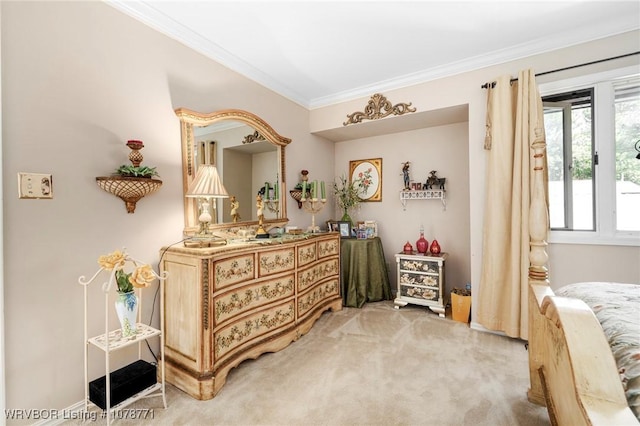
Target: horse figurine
<point>434,180</point>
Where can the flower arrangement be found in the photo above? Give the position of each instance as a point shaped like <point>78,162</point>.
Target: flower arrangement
<point>141,276</point>
<point>347,194</point>
<point>365,179</point>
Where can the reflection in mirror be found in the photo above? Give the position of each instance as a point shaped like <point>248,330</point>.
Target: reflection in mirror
<point>248,162</point>
<point>249,156</point>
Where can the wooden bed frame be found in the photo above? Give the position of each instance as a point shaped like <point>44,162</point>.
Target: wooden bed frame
<point>571,366</point>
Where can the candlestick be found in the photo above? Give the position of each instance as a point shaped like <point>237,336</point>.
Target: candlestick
<point>275,189</point>
<point>322,190</point>
<point>273,205</point>
<point>304,190</point>
<point>313,206</point>
<point>266,190</point>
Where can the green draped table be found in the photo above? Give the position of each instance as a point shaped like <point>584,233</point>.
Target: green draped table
<point>363,272</point>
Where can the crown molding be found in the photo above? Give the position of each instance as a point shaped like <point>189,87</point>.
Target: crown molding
<point>167,26</point>
<point>498,57</point>
<point>164,24</point>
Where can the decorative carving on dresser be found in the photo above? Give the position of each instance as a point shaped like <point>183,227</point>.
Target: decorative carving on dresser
<point>205,294</point>
<point>378,107</point>
<point>322,270</point>
<point>259,324</point>
<point>246,298</point>
<point>306,254</point>
<point>253,310</point>
<point>330,288</point>
<point>233,270</point>
<point>277,261</point>
<point>327,248</point>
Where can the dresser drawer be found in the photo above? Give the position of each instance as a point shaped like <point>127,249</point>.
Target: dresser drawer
<point>229,339</point>
<point>233,270</point>
<point>328,247</point>
<point>276,261</point>
<point>240,300</point>
<point>306,254</point>
<point>308,301</point>
<point>308,277</point>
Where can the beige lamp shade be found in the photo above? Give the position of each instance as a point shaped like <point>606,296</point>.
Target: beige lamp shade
<point>207,183</point>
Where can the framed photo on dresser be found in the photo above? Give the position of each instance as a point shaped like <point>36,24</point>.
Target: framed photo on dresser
<point>345,229</point>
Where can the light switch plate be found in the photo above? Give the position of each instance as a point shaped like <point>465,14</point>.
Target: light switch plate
<point>35,185</point>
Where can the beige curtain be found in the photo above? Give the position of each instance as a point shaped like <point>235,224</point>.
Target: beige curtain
<point>514,118</point>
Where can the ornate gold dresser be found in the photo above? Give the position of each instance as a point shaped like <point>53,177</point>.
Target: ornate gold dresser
<point>226,304</point>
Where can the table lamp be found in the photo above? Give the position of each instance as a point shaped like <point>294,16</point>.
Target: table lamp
<point>206,185</point>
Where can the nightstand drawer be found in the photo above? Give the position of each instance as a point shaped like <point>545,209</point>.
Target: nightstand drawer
<point>423,293</point>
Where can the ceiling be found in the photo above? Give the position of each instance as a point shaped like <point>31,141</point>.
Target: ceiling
<point>321,52</point>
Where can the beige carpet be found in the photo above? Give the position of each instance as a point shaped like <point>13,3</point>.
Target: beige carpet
<point>372,366</point>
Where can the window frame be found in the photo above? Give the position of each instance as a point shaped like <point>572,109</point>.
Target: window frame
<point>604,173</point>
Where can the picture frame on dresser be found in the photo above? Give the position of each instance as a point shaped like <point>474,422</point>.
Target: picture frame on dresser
<point>344,228</point>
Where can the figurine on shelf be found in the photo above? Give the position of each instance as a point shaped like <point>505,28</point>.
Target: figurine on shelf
<point>235,205</point>
<point>260,207</point>
<point>434,180</point>
<point>405,175</point>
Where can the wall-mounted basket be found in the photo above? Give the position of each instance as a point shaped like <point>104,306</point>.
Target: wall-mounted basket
<point>296,194</point>
<point>129,189</point>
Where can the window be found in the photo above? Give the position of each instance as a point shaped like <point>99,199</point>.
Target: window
<point>592,124</point>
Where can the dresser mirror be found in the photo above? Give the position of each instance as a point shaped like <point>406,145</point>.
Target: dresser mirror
<point>247,153</point>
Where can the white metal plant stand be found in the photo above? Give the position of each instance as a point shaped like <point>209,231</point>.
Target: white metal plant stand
<point>112,340</point>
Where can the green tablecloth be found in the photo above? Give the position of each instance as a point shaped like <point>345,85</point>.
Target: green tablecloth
<point>363,272</point>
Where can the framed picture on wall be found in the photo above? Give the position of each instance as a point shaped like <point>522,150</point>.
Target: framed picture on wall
<point>369,174</point>
<point>345,229</point>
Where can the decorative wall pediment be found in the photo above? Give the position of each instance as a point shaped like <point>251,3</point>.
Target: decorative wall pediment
<point>377,108</point>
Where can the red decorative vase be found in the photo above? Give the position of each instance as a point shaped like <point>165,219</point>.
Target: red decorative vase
<point>422,245</point>
<point>435,247</point>
<point>407,248</point>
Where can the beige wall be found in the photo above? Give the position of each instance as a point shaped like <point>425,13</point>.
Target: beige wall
<point>442,148</point>
<point>464,89</point>
<point>80,78</point>
<point>572,263</point>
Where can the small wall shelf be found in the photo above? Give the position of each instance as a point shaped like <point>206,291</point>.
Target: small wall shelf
<point>424,194</point>
<point>137,182</point>
<point>129,189</point>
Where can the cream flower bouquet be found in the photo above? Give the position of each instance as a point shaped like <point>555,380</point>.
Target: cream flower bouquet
<point>126,303</point>
<point>141,276</point>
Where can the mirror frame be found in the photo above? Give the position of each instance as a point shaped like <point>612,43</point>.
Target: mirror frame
<point>188,119</point>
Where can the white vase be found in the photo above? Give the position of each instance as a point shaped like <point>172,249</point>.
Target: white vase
<point>127,310</point>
